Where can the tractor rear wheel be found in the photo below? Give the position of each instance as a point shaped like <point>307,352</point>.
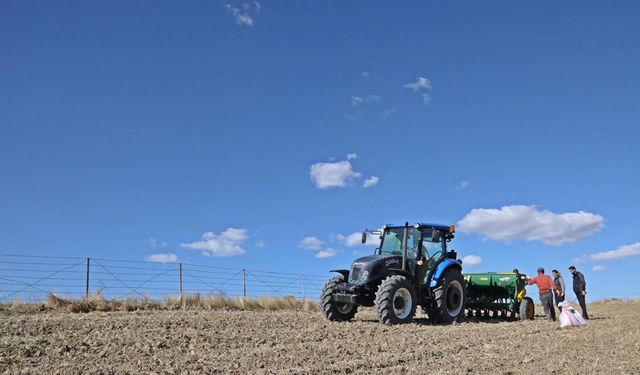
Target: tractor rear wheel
<point>395,300</point>
<point>449,298</point>
<point>527,309</point>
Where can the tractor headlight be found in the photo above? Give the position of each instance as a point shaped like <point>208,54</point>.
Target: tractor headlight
<point>364,275</point>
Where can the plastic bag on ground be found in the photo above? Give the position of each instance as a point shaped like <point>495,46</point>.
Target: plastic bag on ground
<point>569,317</point>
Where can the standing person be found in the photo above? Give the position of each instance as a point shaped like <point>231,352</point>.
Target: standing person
<point>558,280</point>
<point>580,289</point>
<point>546,287</point>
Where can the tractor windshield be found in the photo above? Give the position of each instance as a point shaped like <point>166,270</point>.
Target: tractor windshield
<point>392,241</point>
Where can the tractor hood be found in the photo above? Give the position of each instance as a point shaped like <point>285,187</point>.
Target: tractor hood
<point>373,267</point>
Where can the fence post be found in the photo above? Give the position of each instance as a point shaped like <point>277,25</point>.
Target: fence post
<point>303,287</point>
<point>86,290</point>
<point>244,282</point>
<point>181,280</point>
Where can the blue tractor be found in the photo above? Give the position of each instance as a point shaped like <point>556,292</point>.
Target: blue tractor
<point>412,267</point>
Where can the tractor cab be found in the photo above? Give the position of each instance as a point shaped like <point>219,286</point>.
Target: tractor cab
<point>426,246</point>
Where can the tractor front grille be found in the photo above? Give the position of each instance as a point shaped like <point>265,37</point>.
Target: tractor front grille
<point>356,272</point>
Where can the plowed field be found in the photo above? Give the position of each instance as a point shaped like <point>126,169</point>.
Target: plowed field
<point>223,341</point>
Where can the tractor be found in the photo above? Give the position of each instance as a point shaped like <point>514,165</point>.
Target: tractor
<point>411,267</point>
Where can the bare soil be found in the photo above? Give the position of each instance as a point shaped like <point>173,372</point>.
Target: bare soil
<point>298,342</point>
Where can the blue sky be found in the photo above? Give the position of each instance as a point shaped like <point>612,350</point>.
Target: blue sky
<point>247,131</point>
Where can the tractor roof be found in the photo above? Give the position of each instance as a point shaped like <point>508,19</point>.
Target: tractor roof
<point>444,228</point>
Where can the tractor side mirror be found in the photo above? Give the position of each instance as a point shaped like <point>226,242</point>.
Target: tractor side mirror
<point>437,236</point>
<point>364,237</point>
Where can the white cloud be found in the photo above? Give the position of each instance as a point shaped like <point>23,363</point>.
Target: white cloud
<point>519,222</point>
<point>420,84</point>
<point>162,258</point>
<point>326,253</point>
<point>463,184</point>
<point>227,243</point>
<point>371,181</point>
<point>315,244</point>
<point>332,175</point>
<point>245,14</point>
<point>623,251</point>
<point>579,260</point>
<point>355,239</point>
<point>369,99</point>
<point>471,260</point>
<point>311,243</point>
<point>426,99</point>
<point>260,244</point>
<point>598,268</point>
<point>352,156</point>
<point>389,112</point>
<point>365,74</point>
<point>152,243</point>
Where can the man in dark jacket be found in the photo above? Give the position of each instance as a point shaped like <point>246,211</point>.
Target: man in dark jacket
<point>580,289</point>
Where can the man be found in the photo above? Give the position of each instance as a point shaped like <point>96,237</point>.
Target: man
<point>546,287</point>
<point>580,289</point>
<point>558,280</point>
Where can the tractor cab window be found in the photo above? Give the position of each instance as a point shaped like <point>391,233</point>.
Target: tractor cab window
<point>392,241</point>
<point>432,247</point>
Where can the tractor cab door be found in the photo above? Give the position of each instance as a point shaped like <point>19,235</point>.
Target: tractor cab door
<point>413,246</point>
<point>392,242</point>
<point>432,249</point>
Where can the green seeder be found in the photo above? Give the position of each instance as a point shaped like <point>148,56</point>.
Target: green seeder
<point>498,295</point>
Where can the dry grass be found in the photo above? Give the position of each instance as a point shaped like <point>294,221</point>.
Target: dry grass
<point>19,307</point>
<point>97,302</point>
<point>57,302</point>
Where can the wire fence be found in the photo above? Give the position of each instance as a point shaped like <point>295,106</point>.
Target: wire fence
<point>30,278</point>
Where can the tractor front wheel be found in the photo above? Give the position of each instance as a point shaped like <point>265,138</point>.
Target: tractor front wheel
<point>395,300</point>
<point>332,310</point>
<point>527,309</point>
<point>449,298</point>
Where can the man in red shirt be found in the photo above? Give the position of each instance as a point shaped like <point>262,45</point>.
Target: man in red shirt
<point>547,288</point>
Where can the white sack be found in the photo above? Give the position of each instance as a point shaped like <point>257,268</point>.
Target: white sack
<point>569,317</point>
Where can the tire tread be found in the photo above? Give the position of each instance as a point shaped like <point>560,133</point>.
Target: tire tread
<point>384,302</point>
<point>437,312</point>
<point>328,307</point>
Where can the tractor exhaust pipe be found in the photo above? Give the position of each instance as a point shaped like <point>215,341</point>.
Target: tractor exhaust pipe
<point>404,245</point>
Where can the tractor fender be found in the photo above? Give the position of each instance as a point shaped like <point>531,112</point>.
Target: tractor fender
<point>344,273</point>
<point>443,266</point>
